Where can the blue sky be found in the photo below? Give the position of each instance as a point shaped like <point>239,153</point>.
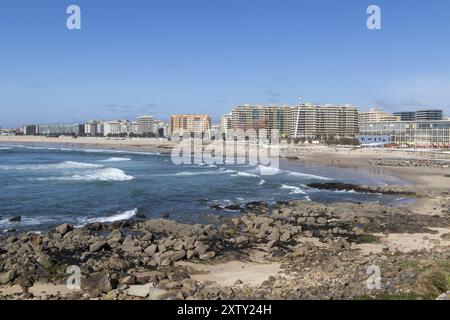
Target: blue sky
<point>160,57</point>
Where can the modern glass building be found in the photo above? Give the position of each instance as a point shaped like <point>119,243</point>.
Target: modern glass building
<point>420,134</point>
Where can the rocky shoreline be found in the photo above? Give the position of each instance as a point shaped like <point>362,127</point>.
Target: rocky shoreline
<point>314,251</point>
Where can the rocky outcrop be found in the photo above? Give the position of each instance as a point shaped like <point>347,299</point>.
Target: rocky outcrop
<point>153,259</point>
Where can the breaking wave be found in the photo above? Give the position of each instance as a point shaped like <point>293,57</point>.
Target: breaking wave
<point>52,166</point>
<point>245,174</point>
<point>126,215</point>
<point>116,159</point>
<point>294,189</point>
<point>106,174</point>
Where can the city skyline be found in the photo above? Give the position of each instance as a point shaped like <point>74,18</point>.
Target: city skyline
<point>163,58</point>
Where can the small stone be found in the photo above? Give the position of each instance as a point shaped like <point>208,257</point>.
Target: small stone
<point>148,237</point>
<point>129,280</point>
<point>285,236</point>
<point>107,283</point>
<point>322,220</point>
<point>358,231</point>
<point>177,255</point>
<point>156,294</point>
<point>7,277</point>
<point>151,250</point>
<point>97,246</point>
<point>141,291</point>
<point>300,252</point>
<point>241,239</point>
<point>190,254</point>
<point>275,235</point>
<point>207,256</point>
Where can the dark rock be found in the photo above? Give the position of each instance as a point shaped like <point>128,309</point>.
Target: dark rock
<point>16,219</point>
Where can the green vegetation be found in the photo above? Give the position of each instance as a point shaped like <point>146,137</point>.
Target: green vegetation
<point>367,238</point>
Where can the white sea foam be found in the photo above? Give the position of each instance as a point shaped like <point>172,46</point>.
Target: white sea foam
<point>87,150</point>
<point>126,215</point>
<point>106,174</point>
<point>246,174</point>
<point>307,175</point>
<point>294,189</point>
<point>194,173</point>
<point>27,221</point>
<point>266,171</point>
<point>52,166</point>
<point>261,182</point>
<point>116,159</point>
<point>5,148</point>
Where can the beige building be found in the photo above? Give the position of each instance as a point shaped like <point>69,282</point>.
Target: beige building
<point>259,117</point>
<point>377,115</point>
<point>190,123</point>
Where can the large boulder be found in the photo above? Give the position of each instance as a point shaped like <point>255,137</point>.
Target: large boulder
<point>64,228</point>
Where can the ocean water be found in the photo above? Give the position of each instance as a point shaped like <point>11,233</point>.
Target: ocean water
<point>50,185</point>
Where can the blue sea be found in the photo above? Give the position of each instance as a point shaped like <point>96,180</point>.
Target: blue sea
<point>48,185</point>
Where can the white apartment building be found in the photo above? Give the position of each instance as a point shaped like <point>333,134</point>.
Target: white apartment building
<point>145,124</point>
<point>116,127</point>
<point>91,128</point>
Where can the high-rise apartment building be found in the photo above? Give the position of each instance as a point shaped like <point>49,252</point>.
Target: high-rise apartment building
<point>305,121</point>
<point>322,122</point>
<point>190,123</point>
<point>258,117</point>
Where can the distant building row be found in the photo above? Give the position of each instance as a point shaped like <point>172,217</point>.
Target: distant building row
<point>144,126</point>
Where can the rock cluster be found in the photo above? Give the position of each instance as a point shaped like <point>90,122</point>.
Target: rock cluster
<point>314,244</point>
<point>427,163</point>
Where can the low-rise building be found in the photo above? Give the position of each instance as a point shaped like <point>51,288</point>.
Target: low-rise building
<point>60,129</point>
<point>420,134</point>
<point>376,115</point>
